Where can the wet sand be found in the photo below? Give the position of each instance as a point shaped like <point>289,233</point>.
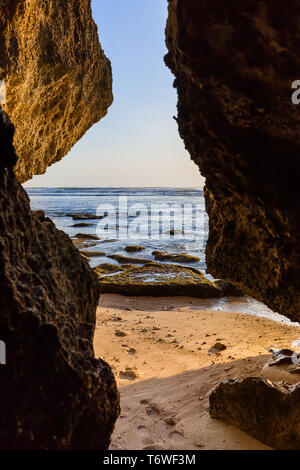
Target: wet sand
<point>159,351</point>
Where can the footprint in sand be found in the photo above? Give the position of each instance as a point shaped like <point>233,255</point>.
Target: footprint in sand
<point>176,436</point>
<point>128,374</point>
<point>145,435</point>
<point>153,447</point>
<point>152,411</point>
<point>144,402</point>
<point>131,351</point>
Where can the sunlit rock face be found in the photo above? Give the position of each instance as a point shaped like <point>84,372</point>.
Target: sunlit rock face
<point>54,394</point>
<point>58,80</point>
<point>234,63</point>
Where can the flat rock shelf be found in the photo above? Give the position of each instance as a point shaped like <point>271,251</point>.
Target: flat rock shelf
<point>156,279</point>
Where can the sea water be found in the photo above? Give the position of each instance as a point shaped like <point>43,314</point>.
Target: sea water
<point>59,203</point>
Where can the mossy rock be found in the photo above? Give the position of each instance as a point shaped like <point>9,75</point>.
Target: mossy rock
<point>86,236</point>
<point>83,224</point>
<point>84,216</point>
<point>177,257</point>
<point>125,259</point>
<point>82,244</point>
<point>125,267</point>
<point>160,280</point>
<point>134,248</point>
<point>92,254</point>
<point>108,268</point>
<point>229,289</point>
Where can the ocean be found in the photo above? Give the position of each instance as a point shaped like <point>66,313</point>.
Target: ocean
<point>57,203</point>
<point>171,220</point>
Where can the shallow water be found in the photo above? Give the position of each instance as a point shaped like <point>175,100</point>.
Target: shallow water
<point>244,305</point>
<point>58,202</point>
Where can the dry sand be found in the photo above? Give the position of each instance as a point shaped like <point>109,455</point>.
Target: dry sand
<point>159,351</point>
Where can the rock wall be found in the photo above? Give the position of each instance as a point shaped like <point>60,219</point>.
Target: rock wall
<point>58,80</point>
<point>268,412</point>
<point>234,63</point>
<point>54,394</point>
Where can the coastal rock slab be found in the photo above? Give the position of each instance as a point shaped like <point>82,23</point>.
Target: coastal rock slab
<point>58,80</point>
<point>126,259</point>
<point>234,64</point>
<point>54,393</point>
<point>108,268</point>
<point>267,411</point>
<point>155,279</point>
<point>175,257</point>
<point>134,248</point>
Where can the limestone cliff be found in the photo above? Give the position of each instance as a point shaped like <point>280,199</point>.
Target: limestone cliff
<point>54,394</point>
<point>58,80</point>
<point>234,63</point>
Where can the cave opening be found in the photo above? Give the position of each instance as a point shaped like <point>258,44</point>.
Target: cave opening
<point>148,151</point>
<point>139,156</point>
<point>166,346</point>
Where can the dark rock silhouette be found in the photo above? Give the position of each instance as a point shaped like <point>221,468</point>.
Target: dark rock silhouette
<point>234,64</point>
<point>269,412</point>
<point>54,394</point>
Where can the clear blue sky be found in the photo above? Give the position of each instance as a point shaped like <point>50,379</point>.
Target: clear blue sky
<point>137,143</point>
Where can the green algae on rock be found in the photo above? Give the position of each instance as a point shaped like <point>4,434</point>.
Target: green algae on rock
<point>134,248</point>
<point>107,268</point>
<point>86,236</point>
<point>92,254</point>
<point>160,280</point>
<point>82,244</point>
<point>82,224</point>
<point>176,257</point>
<point>126,259</point>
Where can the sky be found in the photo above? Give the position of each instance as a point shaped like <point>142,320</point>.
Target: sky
<point>137,143</point>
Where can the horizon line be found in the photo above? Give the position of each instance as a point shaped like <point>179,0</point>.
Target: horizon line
<point>121,187</point>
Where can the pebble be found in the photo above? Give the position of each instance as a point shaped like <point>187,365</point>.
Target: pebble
<point>120,333</point>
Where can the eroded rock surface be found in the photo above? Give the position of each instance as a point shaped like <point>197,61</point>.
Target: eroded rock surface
<point>234,63</point>
<point>269,412</point>
<point>58,80</point>
<point>156,279</point>
<point>54,394</point>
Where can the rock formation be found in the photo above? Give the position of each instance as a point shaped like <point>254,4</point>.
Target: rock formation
<point>234,64</point>
<point>54,394</point>
<point>269,412</point>
<point>58,80</point>
<point>155,279</point>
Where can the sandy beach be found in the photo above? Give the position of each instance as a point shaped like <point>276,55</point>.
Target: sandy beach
<point>159,349</point>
